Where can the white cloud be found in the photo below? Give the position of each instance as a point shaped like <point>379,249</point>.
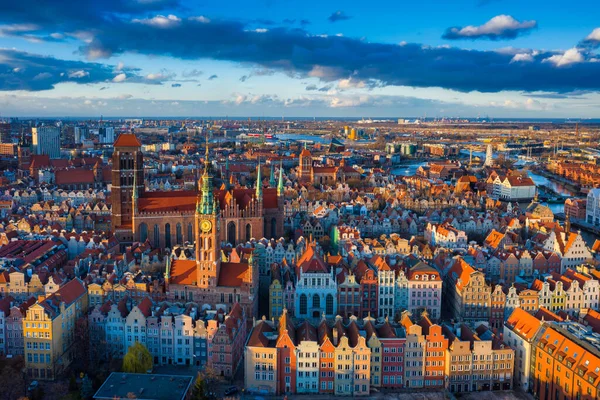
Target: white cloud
<point>351,83</point>
<point>87,102</point>
<point>79,74</point>
<point>571,56</point>
<point>94,54</point>
<point>160,76</point>
<point>201,18</point>
<point>120,78</point>
<point>160,21</point>
<point>124,96</point>
<point>120,66</point>
<point>57,35</point>
<point>325,73</point>
<point>498,26</point>
<point>522,57</point>
<point>595,35</point>
<point>42,75</point>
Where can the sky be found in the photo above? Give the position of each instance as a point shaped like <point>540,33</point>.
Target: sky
<point>290,58</point>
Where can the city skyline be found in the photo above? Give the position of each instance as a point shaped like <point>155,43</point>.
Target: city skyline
<point>174,58</point>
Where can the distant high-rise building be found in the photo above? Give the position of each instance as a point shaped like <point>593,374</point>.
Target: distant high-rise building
<point>489,156</point>
<point>46,140</point>
<point>5,132</point>
<point>106,135</point>
<point>81,133</point>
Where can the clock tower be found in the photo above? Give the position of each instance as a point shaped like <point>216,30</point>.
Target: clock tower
<point>208,258</point>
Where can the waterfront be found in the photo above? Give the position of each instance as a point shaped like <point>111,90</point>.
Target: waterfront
<point>303,137</point>
<point>408,169</point>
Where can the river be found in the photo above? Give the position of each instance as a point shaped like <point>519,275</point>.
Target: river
<point>408,169</point>
<point>303,137</point>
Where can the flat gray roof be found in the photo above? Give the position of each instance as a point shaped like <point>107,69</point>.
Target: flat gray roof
<point>144,386</point>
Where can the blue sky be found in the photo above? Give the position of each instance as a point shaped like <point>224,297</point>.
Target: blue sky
<point>502,58</point>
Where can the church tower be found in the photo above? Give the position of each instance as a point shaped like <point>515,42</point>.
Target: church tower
<point>207,231</point>
<point>305,168</point>
<point>489,156</point>
<point>280,186</point>
<point>127,173</point>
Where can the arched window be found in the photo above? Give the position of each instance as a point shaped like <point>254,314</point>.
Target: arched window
<point>190,233</point>
<point>329,305</point>
<point>143,232</point>
<point>316,301</point>
<point>248,232</point>
<point>179,234</point>
<point>303,304</point>
<point>274,227</point>
<point>231,233</point>
<point>156,236</point>
<point>168,235</point>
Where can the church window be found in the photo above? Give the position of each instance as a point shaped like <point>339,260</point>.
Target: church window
<point>303,304</point>
<point>179,234</point>
<point>273,227</point>
<point>316,303</point>
<point>143,232</point>
<point>156,236</point>
<point>168,235</point>
<point>231,233</point>
<point>190,233</point>
<point>329,304</point>
<point>248,232</point>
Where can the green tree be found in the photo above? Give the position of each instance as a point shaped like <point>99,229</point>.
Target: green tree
<point>137,360</point>
<point>87,391</point>
<point>199,390</point>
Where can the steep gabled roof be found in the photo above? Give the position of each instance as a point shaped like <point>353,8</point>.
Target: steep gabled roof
<point>127,140</point>
<point>523,323</point>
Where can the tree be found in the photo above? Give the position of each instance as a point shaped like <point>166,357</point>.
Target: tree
<point>199,390</point>
<point>87,391</point>
<point>11,379</point>
<point>137,360</point>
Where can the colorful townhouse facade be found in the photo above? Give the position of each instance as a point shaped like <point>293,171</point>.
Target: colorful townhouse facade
<point>49,330</point>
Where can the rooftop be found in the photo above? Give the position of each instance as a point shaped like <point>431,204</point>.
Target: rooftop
<point>144,387</point>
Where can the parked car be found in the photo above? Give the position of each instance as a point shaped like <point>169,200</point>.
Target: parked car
<point>231,390</point>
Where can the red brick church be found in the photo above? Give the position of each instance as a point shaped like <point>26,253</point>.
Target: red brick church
<point>207,216</point>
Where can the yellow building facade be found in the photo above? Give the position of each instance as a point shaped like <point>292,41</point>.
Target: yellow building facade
<point>49,330</point>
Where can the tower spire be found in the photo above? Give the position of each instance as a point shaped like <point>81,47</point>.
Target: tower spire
<point>168,268</point>
<point>280,184</point>
<point>272,181</point>
<point>207,202</point>
<point>227,180</point>
<point>259,192</point>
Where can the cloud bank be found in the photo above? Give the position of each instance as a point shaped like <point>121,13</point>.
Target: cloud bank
<point>154,28</point>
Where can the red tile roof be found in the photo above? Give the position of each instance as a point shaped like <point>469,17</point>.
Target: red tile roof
<point>40,161</point>
<point>523,323</point>
<point>232,274</point>
<point>462,271</point>
<point>258,338</point>
<point>183,272</point>
<point>74,176</point>
<point>145,306</point>
<point>67,294</point>
<point>127,140</point>
<point>156,202</point>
